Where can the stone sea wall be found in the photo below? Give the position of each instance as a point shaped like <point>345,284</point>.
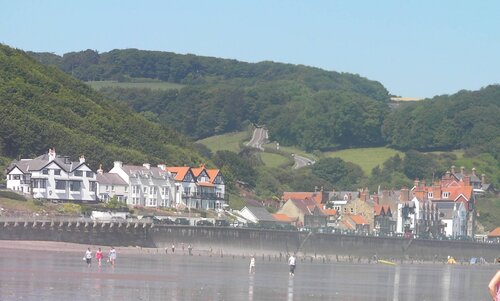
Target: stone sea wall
<point>245,241</point>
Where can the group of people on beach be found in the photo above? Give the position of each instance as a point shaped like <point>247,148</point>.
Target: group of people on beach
<point>291,264</point>
<point>99,256</point>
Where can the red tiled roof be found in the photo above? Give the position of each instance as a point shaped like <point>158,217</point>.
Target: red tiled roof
<point>180,172</point>
<point>212,174</point>
<point>282,217</point>
<point>316,196</point>
<point>377,209</point>
<point>358,219</point>
<point>330,211</point>
<point>495,233</point>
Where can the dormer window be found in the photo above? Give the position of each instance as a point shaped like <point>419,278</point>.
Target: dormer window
<point>78,173</point>
<point>57,172</point>
<point>446,195</point>
<point>430,195</point>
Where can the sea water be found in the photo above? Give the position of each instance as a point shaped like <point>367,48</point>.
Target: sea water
<point>42,275</point>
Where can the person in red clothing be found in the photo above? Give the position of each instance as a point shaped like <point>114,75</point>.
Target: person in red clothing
<point>98,256</point>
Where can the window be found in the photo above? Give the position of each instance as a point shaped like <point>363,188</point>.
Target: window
<point>45,171</point>
<point>57,172</point>
<point>78,173</point>
<point>152,190</point>
<point>145,190</point>
<point>126,188</point>
<point>17,177</point>
<point>430,195</point>
<point>135,189</point>
<point>89,174</point>
<point>352,210</point>
<point>112,187</point>
<point>74,185</point>
<point>446,195</point>
<point>152,202</point>
<point>93,186</point>
<point>60,185</point>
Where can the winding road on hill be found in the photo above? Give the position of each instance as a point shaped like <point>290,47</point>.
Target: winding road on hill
<point>260,137</point>
<point>301,161</point>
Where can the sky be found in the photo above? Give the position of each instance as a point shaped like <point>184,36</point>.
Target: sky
<point>414,48</point>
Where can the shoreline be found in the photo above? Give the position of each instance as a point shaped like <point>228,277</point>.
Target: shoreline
<point>56,246</point>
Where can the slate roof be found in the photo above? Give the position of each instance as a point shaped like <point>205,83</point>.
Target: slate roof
<point>155,172</point>
<point>261,213</point>
<point>38,163</point>
<point>110,179</point>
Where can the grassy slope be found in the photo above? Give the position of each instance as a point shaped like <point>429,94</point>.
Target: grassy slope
<point>230,142</point>
<point>96,85</point>
<point>274,160</point>
<point>366,158</point>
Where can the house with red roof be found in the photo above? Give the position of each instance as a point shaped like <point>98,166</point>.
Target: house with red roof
<point>383,221</point>
<point>199,187</point>
<point>306,212</point>
<point>356,223</point>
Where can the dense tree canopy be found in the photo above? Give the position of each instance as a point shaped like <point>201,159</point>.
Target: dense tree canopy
<point>42,107</point>
<point>301,105</point>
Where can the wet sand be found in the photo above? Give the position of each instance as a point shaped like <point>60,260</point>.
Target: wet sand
<point>32,270</point>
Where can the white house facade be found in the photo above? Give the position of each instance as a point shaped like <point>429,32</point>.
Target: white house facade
<point>138,185</point>
<point>53,177</point>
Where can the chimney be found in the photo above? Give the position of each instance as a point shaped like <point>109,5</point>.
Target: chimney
<point>483,179</point>
<point>52,154</point>
<point>462,170</point>
<point>416,183</point>
<point>100,171</point>
<point>466,180</point>
<point>404,196</point>
<point>82,159</point>
<point>473,171</point>
<point>375,198</point>
<point>315,188</point>
<point>118,164</point>
<point>453,169</point>
<point>147,165</point>
<point>162,167</point>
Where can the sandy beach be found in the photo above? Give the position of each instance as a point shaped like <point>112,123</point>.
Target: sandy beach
<point>54,246</point>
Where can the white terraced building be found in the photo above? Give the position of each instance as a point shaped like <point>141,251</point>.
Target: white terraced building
<point>53,177</point>
<point>137,185</point>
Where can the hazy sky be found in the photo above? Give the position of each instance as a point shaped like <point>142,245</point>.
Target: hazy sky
<point>414,48</point>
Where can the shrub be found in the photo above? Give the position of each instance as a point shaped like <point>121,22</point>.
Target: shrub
<point>12,195</point>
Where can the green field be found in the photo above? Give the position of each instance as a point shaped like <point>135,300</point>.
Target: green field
<point>366,158</point>
<point>274,160</point>
<point>230,142</point>
<point>154,85</point>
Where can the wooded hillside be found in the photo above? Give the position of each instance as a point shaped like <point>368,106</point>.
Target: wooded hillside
<point>42,107</point>
<point>304,106</point>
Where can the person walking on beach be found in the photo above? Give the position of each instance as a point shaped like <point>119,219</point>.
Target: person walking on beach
<point>173,248</point>
<point>252,265</point>
<point>88,257</point>
<point>494,287</point>
<point>291,263</point>
<point>112,256</point>
<point>98,256</point>
<point>190,249</point>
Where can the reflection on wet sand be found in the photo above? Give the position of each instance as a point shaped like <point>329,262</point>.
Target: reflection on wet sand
<point>290,289</point>
<point>250,288</point>
<point>30,275</point>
